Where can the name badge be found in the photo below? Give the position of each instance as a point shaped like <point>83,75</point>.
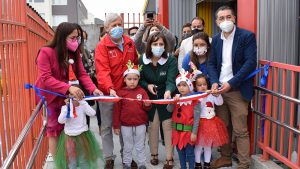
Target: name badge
<point>163,73</point>
<point>112,53</point>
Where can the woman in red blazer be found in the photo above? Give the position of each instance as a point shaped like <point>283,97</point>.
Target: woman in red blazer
<point>53,61</point>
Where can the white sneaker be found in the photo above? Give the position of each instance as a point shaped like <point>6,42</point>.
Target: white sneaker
<point>49,158</point>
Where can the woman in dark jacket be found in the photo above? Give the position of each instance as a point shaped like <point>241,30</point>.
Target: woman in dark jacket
<point>158,79</point>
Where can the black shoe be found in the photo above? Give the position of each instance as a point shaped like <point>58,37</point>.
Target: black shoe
<point>206,165</point>
<point>109,164</point>
<point>133,165</point>
<point>198,166</point>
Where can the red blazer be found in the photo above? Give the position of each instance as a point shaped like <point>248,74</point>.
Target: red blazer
<point>111,62</point>
<point>130,113</point>
<point>52,77</point>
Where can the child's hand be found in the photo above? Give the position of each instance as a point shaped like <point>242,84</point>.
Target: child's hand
<point>117,131</point>
<point>66,101</point>
<point>193,137</point>
<point>147,103</point>
<point>176,97</point>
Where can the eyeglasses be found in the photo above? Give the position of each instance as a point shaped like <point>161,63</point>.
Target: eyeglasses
<point>74,38</point>
<point>179,112</point>
<point>132,34</point>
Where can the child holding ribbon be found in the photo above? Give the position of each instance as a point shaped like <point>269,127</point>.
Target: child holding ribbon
<point>212,131</point>
<point>130,117</point>
<point>185,125</point>
<point>77,146</point>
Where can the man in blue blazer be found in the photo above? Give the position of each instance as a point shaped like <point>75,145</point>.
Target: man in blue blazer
<point>233,57</point>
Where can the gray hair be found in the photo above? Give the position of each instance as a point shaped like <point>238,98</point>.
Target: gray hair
<point>111,17</point>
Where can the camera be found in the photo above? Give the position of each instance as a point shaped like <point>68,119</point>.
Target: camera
<point>150,15</point>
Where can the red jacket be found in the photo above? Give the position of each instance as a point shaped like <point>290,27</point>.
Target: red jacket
<point>130,113</point>
<point>111,62</point>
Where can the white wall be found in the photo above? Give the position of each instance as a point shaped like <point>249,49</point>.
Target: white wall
<point>44,9</point>
<point>90,19</point>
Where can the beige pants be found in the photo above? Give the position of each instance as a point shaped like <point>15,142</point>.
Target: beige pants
<point>234,113</point>
<point>154,135</point>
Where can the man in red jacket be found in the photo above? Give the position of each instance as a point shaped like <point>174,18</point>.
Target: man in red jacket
<point>111,57</point>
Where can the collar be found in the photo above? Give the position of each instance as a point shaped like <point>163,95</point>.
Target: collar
<point>161,61</point>
<point>185,103</point>
<point>122,42</point>
<point>230,36</point>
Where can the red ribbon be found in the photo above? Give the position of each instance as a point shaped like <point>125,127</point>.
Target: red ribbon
<point>159,101</point>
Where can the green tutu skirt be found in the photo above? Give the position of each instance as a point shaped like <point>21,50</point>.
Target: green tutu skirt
<point>76,149</point>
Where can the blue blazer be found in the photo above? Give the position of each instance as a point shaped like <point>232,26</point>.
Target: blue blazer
<point>244,61</point>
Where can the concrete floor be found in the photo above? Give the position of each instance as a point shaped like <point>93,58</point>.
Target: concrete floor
<point>118,164</point>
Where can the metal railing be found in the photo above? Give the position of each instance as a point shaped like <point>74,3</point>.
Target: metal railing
<point>296,131</point>
<point>22,33</point>
<point>17,146</point>
<point>276,123</point>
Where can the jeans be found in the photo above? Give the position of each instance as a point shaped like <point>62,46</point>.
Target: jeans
<point>186,154</point>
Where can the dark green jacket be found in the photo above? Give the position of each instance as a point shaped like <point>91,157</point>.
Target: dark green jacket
<point>163,76</point>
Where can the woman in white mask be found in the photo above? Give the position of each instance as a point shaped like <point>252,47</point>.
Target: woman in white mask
<point>158,76</point>
<point>199,54</point>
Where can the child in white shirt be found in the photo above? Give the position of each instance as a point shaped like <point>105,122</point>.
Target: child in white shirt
<point>77,146</point>
<point>212,131</point>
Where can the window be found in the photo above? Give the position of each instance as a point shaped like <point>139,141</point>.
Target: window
<point>60,2</point>
<point>39,0</point>
<point>57,19</point>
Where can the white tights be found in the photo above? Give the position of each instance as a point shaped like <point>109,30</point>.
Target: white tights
<point>198,152</point>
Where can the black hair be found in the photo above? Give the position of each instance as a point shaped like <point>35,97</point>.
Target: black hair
<point>199,77</point>
<point>134,27</point>
<point>193,56</point>
<point>222,8</point>
<point>59,41</point>
<point>198,18</point>
<point>153,38</point>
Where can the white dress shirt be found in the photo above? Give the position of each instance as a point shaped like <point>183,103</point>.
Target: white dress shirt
<point>226,69</point>
<point>185,47</point>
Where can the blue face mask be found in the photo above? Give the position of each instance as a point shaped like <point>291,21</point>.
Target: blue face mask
<point>157,50</point>
<point>116,32</point>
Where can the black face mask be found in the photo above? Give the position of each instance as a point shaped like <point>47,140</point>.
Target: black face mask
<point>186,35</point>
<point>194,31</point>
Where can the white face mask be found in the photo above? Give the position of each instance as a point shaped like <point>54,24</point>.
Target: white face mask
<point>226,26</point>
<point>157,50</point>
<point>200,50</point>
